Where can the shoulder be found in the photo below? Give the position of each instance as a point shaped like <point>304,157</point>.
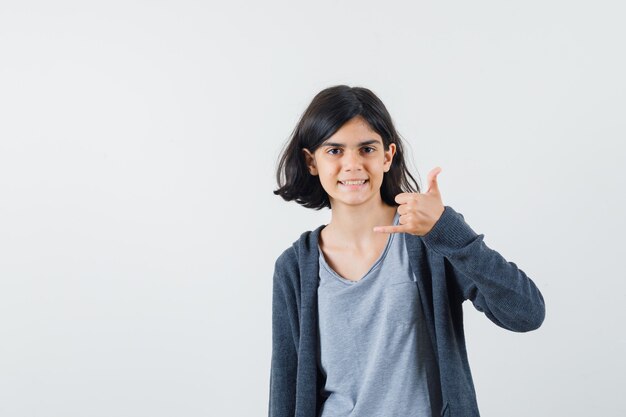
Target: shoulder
<point>287,259</point>
<point>302,253</point>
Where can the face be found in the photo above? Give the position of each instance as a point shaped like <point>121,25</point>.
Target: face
<point>354,152</point>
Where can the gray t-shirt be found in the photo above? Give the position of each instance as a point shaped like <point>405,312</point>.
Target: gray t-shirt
<point>374,345</point>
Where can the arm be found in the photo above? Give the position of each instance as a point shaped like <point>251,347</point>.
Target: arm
<point>282,401</point>
<point>501,290</point>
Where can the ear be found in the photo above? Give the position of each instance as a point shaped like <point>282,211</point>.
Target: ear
<point>309,159</point>
<point>389,154</point>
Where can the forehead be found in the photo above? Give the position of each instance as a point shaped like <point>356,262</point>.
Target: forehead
<point>355,132</point>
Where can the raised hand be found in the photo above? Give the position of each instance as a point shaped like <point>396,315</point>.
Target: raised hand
<point>418,211</point>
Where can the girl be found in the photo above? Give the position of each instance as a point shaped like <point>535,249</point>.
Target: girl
<point>367,315</point>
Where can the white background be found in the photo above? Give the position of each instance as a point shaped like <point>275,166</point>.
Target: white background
<point>138,228</point>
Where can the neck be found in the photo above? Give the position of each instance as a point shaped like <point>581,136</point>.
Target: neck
<point>352,226</point>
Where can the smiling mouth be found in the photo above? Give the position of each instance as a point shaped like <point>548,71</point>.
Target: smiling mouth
<point>353,184</point>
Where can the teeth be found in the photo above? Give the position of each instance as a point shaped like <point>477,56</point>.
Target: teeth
<point>353,182</point>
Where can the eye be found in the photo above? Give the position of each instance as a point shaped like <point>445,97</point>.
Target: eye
<point>368,149</point>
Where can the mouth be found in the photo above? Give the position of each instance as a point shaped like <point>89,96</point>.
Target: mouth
<point>353,185</point>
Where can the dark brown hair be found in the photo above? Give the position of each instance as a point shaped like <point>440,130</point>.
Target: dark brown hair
<point>329,110</point>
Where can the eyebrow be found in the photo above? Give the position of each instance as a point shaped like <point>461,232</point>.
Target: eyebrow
<point>341,145</point>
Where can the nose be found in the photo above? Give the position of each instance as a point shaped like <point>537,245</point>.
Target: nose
<point>352,161</point>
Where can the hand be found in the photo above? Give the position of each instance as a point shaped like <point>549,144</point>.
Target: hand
<point>418,211</point>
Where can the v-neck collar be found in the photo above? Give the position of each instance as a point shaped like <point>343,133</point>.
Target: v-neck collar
<point>376,263</point>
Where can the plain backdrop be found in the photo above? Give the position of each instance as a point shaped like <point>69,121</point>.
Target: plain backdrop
<point>138,228</point>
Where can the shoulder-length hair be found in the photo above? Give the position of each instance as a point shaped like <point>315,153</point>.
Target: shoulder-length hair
<point>328,111</point>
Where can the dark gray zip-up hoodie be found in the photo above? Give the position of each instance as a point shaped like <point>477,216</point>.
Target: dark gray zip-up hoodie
<point>452,264</point>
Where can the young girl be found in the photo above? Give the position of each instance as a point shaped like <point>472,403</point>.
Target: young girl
<point>367,317</point>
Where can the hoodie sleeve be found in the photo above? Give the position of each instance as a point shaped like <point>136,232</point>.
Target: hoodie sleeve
<point>283,368</point>
<point>496,287</point>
